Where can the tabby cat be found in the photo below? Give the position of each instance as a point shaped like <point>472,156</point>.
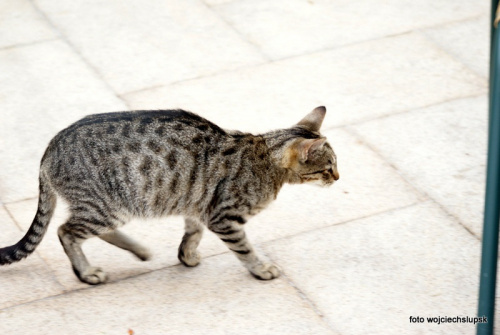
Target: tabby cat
<point>116,166</point>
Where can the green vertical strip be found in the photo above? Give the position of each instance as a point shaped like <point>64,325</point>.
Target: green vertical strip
<point>494,5</point>
<point>489,256</point>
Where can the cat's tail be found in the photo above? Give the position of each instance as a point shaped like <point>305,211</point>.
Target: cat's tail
<point>46,206</point>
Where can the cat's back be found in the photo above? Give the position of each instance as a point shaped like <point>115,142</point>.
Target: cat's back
<point>137,132</point>
<point>147,161</point>
<point>140,124</point>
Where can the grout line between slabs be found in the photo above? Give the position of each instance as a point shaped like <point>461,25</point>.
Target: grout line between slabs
<point>439,47</point>
<point>233,28</point>
<point>354,133</point>
<point>304,297</point>
<point>19,200</point>
<point>402,112</point>
<point>12,218</point>
<point>211,75</point>
<point>437,25</point>
<point>90,287</point>
<point>66,40</point>
<point>28,44</point>
<point>52,273</point>
<point>346,222</point>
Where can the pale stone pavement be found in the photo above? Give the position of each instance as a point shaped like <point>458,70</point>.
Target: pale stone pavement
<point>405,85</point>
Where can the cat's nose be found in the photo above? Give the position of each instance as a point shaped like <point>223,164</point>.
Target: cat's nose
<point>336,175</point>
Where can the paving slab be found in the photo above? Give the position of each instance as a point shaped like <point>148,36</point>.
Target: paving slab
<point>468,41</point>
<point>214,298</point>
<point>45,87</point>
<point>355,83</point>
<point>33,273</point>
<point>442,153</point>
<point>20,23</point>
<point>216,2</point>
<point>285,28</point>
<point>371,275</point>
<point>136,44</point>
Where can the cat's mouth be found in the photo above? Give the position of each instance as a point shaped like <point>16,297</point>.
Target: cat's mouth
<point>308,177</point>
<point>317,178</point>
<point>313,180</point>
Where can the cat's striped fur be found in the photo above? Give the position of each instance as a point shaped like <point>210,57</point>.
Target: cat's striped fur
<point>112,167</point>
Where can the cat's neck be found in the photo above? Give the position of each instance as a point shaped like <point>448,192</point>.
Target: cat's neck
<point>278,146</point>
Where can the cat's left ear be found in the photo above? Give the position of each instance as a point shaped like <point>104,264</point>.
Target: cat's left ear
<point>307,147</point>
<point>314,119</point>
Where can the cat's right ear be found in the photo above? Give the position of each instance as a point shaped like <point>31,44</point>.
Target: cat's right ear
<point>314,119</point>
<point>306,147</point>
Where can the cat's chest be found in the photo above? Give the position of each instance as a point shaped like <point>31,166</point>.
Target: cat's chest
<point>257,208</point>
<point>258,202</point>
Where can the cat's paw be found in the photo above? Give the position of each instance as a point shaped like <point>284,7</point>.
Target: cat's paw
<point>265,271</point>
<point>93,276</point>
<point>190,259</point>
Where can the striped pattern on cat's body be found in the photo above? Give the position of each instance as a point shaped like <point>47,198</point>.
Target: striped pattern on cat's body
<point>112,167</point>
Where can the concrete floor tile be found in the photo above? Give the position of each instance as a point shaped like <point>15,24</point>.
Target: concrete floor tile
<point>373,274</point>
<point>136,44</point>
<point>441,150</point>
<point>45,322</point>
<point>217,2</point>
<point>285,28</point>
<point>20,23</point>
<point>17,277</point>
<point>45,87</point>
<point>214,298</point>
<point>355,83</point>
<point>367,186</point>
<point>468,41</point>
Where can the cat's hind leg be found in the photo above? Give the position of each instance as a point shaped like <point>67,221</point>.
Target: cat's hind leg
<point>188,255</point>
<point>72,234</point>
<point>121,240</point>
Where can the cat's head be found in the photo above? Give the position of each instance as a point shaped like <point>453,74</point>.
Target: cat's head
<point>312,159</point>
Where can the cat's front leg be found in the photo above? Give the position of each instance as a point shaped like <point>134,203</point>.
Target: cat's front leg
<point>230,230</point>
<point>188,255</point>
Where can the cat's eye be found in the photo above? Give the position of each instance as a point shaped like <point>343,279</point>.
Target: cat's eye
<point>316,172</point>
